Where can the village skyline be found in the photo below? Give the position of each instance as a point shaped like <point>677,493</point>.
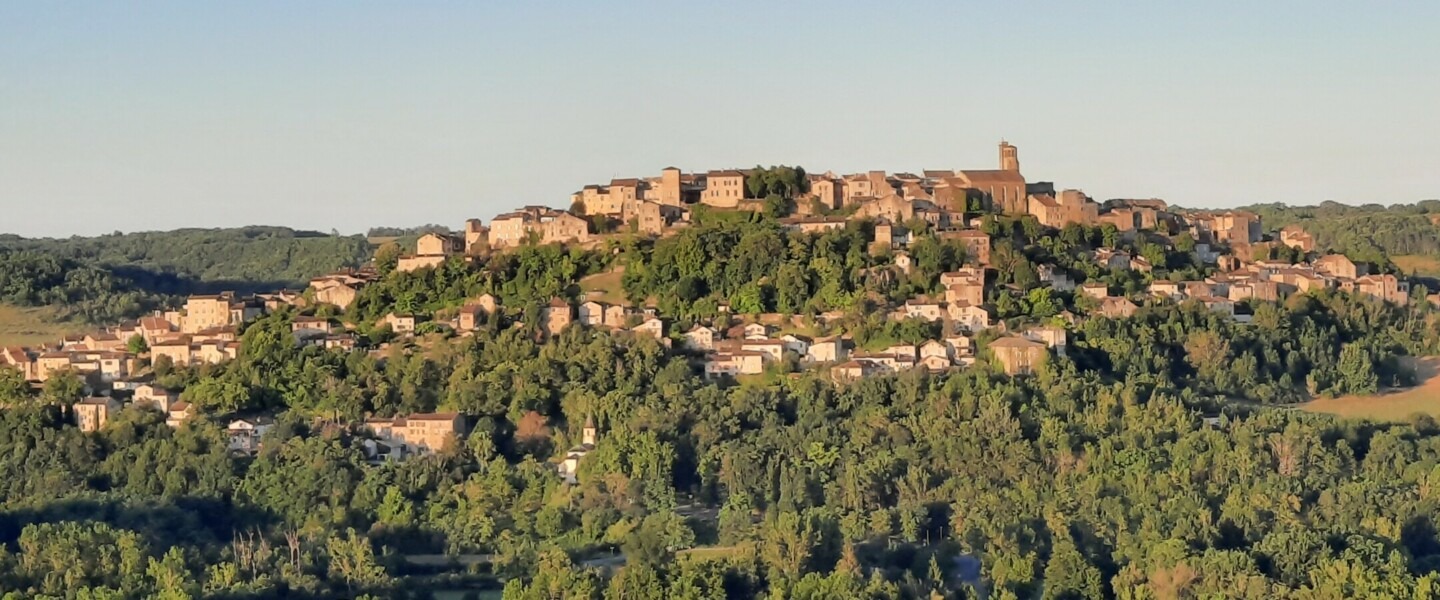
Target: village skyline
<point>352,117</point>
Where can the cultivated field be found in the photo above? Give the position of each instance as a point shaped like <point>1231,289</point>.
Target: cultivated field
<point>31,326</point>
<point>1420,264</point>
<point>1393,405</point>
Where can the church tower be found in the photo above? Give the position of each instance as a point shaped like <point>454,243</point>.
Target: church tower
<point>587,435</point>
<point>1009,157</point>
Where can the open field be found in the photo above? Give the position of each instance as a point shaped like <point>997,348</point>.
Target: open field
<point>31,326</point>
<point>604,287</point>
<point>1420,264</point>
<point>1392,405</point>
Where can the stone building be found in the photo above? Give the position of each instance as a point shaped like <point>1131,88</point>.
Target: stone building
<point>1002,189</point>
<point>723,189</point>
<point>1019,356</point>
<point>545,225</point>
<point>91,414</point>
<point>420,433</point>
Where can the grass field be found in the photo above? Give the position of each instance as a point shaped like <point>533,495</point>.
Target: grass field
<point>604,287</point>
<point>712,552</point>
<point>1395,405</point>
<point>1420,264</point>
<point>32,326</point>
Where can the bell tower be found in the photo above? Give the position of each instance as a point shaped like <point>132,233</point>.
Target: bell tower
<point>587,434</point>
<point>1009,157</point>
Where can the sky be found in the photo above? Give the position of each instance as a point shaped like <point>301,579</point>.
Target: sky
<point>343,115</point>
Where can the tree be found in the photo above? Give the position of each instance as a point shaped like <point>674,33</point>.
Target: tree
<point>221,395</point>
<point>1357,371</point>
<point>63,387</point>
<point>352,560</point>
<point>172,578</point>
<point>786,544</point>
<point>13,388</point>
<point>136,345</point>
<point>387,256</point>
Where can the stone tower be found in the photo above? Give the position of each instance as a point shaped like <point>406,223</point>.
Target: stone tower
<point>587,434</point>
<point>1009,157</point>
<point>670,186</point>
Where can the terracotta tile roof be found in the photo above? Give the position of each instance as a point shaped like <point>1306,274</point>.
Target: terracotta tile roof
<point>445,416</point>
<point>1015,342</point>
<point>991,176</point>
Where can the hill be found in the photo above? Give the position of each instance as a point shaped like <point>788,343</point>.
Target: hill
<point>1367,232</point>
<point>111,277</point>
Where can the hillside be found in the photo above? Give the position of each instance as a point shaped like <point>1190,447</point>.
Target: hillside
<point>1367,232</point>
<point>246,256</point>
<point>111,277</point>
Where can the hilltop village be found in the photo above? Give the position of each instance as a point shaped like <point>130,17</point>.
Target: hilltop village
<point>967,321</point>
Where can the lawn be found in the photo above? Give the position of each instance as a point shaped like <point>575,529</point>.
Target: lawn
<point>1392,405</point>
<point>32,326</point>
<point>1419,264</point>
<point>604,287</point>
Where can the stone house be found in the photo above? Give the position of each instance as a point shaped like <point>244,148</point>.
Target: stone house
<point>1296,237</point>
<point>1017,355</point>
<point>960,346</point>
<point>853,370</point>
<point>970,292</point>
<point>1099,291</point>
<point>723,189</point>
<point>420,433</point>
<point>1385,287</point>
<point>1052,337</point>
<point>924,310</point>
<point>398,323</point>
<point>1117,308</point>
<point>1337,265</point>
<point>154,397</point>
<point>556,316</point>
<point>935,348</point>
<point>1112,259</point>
<point>469,317</point>
<point>969,317</point>
<point>179,413</point>
<point>700,338</point>
<point>91,414</point>
<point>773,350</point>
<point>976,242</point>
<point>739,362</point>
<point>798,344</point>
<point>591,313</point>
<point>546,225</point>
<point>245,434</point>
<point>309,327</point>
<point>935,364</point>
<point>1166,289</point>
<point>827,349</point>
<point>653,327</point>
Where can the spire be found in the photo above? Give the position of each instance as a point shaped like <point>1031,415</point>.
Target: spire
<point>587,434</point>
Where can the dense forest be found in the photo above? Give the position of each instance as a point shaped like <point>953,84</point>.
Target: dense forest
<point>1145,462</point>
<point>103,279</point>
<point>1367,233</point>
<point>1091,480</point>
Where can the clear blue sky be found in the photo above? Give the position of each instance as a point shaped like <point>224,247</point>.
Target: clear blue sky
<point>155,115</point>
